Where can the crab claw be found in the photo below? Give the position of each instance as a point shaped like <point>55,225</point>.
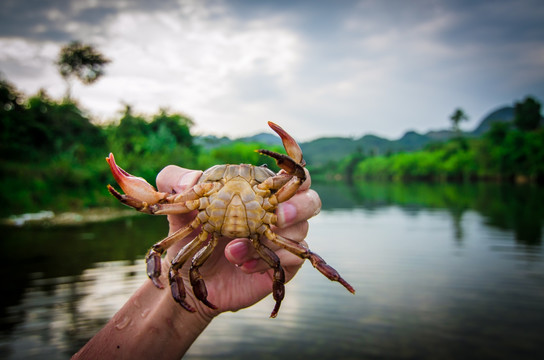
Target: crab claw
<point>290,145</point>
<point>133,186</point>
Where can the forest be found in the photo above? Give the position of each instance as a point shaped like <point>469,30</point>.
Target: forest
<point>52,156</point>
<point>510,152</point>
<point>52,153</point>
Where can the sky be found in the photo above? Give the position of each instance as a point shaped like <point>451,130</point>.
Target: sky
<point>318,68</point>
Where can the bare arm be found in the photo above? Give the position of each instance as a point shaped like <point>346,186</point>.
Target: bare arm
<point>151,324</point>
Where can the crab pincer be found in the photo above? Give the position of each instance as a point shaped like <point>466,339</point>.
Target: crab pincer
<point>292,164</point>
<point>139,194</point>
<point>234,201</point>
<point>290,145</point>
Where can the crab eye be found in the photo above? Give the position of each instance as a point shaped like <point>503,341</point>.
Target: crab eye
<point>264,166</point>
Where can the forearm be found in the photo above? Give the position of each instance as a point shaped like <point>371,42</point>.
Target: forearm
<point>149,325</point>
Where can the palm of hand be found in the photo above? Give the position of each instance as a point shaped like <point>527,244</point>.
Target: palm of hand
<point>230,288</point>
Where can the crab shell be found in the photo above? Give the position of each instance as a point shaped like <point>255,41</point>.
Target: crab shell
<point>236,201</point>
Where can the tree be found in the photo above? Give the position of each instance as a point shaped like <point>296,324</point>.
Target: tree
<point>458,116</point>
<point>132,132</point>
<point>527,114</point>
<point>178,125</point>
<point>81,61</point>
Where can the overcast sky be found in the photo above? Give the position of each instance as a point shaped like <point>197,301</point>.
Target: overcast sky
<point>318,68</point>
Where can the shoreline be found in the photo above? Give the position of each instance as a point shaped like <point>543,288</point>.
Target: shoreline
<point>68,218</point>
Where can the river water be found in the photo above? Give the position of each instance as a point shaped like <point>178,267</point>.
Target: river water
<point>441,272</point>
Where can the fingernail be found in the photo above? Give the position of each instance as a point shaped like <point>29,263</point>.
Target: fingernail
<point>286,213</point>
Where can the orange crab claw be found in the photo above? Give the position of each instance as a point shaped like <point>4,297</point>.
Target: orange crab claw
<point>134,186</point>
<point>290,145</point>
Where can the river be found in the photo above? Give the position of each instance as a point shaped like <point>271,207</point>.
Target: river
<point>442,271</point>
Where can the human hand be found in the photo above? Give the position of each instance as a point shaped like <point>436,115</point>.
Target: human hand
<point>235,276</point>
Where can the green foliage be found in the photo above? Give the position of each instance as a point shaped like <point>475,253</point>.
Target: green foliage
<point>527,114</point>
<point>176,125</point>
<point>502,154</point>
<point>82,61</point>
<point>497,133</point>
<point>52,155</point>
<point>244,153</point>
<point>139,135</point>
<point>458,116</point>
<point>39,127</point>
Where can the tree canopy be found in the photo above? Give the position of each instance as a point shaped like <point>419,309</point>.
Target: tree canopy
<point>527,114</point>
<point>458,116</point>
<point>81,61</point>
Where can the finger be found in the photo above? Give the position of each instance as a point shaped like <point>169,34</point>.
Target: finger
<point>288,261</point>
<point>296,232</point>
<point>300,207</point>
<point>175,179</point>
<point>241,253</point>
<point>306,184</point>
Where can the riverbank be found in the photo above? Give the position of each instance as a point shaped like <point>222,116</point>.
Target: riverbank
<point>71,218</point>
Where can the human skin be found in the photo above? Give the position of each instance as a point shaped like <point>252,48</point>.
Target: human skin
<point>151,324</point>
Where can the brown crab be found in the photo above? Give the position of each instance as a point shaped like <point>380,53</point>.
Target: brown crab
<point>236,201</point>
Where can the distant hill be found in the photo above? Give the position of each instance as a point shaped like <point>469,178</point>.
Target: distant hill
<point>265,138</point>
<point>211,141</point>
<point>503,114</point>
<point>331,149</point>
<point>324,150</point>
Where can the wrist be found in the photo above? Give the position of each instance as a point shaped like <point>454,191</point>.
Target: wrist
<point>149,323</point>
<point>165,313</point>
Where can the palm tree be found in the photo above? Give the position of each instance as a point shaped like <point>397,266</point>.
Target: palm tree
<point>458,116</point>
<point>81,61</point>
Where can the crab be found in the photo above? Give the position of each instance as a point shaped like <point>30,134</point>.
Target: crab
<point>235,201</point>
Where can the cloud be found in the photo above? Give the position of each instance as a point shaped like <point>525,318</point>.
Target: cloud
<point>332,68</point>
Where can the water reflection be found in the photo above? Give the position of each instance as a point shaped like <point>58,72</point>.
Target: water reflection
<point>447,271</point>
<point>57,314</point>
<point>504,206</point>
<point>54,302</point>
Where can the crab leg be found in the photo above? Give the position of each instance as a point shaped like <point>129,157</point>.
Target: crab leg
<point>275,182</point>
<point>304,253</point>
<point>176,281</point>
<point>128,200</point>
<point>278,285</point>
<point>286,163</point>
<point>153,257</point>
<point>197,282</point>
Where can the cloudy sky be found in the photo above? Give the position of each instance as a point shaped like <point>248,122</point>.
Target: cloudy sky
<point>319,68</point>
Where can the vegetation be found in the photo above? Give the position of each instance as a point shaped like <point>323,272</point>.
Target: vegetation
<point>458,116</point>
<point>52,155</point>
<point>505,152</point>
<point>81,61</point>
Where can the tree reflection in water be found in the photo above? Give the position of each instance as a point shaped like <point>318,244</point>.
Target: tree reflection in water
<point>450,270</point>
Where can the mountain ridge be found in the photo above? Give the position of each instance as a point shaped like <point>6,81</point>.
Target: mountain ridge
<point>328,149</point>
